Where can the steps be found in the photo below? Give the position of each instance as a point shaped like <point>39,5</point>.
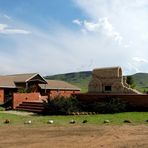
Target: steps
<point>36,107</point>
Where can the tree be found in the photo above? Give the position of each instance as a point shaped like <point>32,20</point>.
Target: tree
<point>130,81</point>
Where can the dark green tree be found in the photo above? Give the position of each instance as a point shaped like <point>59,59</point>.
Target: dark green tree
<point>130,81</point>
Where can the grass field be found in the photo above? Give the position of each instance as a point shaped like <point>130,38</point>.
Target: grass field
<point>118,118</point>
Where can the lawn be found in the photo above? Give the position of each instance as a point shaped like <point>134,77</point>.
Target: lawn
<point>115,119</point>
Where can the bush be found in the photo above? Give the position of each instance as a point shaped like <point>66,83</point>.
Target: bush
<point>65,106</point>
<point>2,108</point>
<point>24,90</point>
<point>8,102</point>
<point>61,106</point>
<point>112,105</point>
<point>130,81</point>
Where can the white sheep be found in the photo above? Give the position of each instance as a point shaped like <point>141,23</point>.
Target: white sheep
<point>28,122</point>
<point>50,121</point>
<point>72,121</point>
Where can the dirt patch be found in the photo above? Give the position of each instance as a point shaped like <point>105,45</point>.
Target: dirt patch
<point>77,136</point>
<point>22,113</point>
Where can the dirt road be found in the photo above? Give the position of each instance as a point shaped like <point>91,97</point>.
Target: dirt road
<point>74,136</point>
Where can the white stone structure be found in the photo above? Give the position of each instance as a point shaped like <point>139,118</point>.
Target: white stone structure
<point>109,80</point>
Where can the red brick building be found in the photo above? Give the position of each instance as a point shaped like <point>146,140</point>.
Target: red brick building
<point>55,88</point>
<point>33,83</point>
<point>20,82</point>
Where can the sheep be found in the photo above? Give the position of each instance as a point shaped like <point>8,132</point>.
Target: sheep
<point>106,121</point>
<point>127,121</point>
<point>7,121</point>
<point>28,122</point>
<point>72,121</point>
<point>84,121</point>
<point>50,122</point>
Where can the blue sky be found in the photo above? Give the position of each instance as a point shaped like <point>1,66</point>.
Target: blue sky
<point>60,36</point>
<point>41,12</point>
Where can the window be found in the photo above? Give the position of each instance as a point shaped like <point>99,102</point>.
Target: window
<point>108,88</point>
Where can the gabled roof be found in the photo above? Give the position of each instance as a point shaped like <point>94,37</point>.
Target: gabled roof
<point>9,81</point>
<point>60,85</point>
<point>22,77</point>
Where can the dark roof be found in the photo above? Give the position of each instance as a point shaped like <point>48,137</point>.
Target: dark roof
<point>57,84</point>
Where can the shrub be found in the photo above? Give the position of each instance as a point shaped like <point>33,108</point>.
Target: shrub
<point>61,105</point>
<point>24,90</point>
<point>8,102</point>
<point>64,106</point>
<point>2,108</point>
<point>111,105</point>
<point>130,81</point>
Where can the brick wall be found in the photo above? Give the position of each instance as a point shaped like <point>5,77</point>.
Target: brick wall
<point>134,100</point>
<point>18,98</point>
<point>64,93</point>
<point>1,96</point>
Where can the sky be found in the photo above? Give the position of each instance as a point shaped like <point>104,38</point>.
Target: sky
<point>61,36</point>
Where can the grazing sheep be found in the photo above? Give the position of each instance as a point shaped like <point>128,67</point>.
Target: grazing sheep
<point>50,122</point>
<point>7,121</point>
<point>77,113</point>
<point>83,113</point>
<point>84,121</point>
<point>127,121</point>
<point>94,113</point>
<point>73,113</point>
<point>28,122</point>
<point>72,121</point>
<point>106,121</point>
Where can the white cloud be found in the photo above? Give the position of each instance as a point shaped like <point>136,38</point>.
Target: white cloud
<point>61,52</point>
<point>5,29</point>
<point>133,66</point>
<point>5,16</point>
<point>15,31</point>
<point>101,26</point>
<point>115,32</point>
<point>90,26</point>
<point>138,59</point>
<point>77,22</point>
<point>137,64</point>
<point>124,21</point>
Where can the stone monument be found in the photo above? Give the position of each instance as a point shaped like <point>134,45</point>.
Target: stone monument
<point>109,80</point>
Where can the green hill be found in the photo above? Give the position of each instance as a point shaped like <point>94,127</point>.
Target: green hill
<point>141,81</point>
<point>81,79</point>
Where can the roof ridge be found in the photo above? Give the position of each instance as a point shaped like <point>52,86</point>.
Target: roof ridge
<point>21,74</point>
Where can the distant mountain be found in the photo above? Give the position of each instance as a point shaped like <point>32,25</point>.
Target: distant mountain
<point>81,79</point>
